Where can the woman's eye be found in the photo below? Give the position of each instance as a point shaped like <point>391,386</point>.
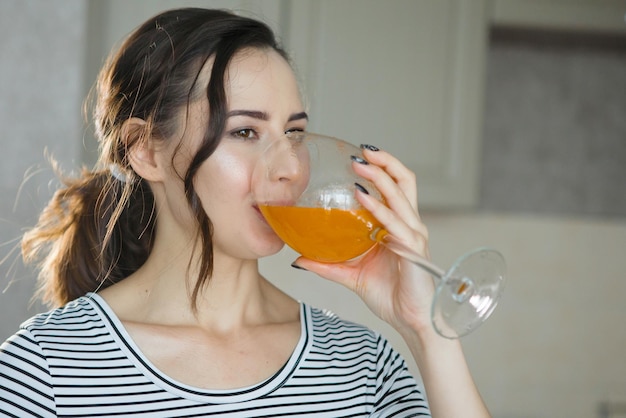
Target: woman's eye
<point>244,133</point>
<point>288,131</point>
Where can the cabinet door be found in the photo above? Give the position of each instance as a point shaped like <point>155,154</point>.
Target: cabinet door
<point>404,75</point>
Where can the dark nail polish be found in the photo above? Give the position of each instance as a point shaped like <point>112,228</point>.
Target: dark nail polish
<point>358,160</point>
<point>294,265</point>
<point>361,188</point>
<point>369,147</point>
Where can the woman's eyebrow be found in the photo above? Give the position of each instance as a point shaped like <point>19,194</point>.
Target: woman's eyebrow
<point>257,114</point>
<point>299,116</point>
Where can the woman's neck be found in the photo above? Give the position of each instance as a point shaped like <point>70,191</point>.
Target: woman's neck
<point>236,294</point>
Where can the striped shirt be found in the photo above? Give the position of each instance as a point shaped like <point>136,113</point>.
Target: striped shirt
<point>79,361</point>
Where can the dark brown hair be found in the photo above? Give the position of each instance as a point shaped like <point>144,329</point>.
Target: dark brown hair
<point>98,228</point>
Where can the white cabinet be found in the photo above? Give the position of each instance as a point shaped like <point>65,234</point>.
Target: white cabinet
<point>403,75</point>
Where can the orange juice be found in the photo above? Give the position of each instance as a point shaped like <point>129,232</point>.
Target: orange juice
<point>327,235</point>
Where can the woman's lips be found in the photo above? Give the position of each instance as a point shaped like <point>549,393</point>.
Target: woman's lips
<point>260,214</point>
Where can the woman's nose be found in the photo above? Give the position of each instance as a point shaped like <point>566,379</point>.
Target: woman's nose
<point>286,160</point>
<point>282,172</point>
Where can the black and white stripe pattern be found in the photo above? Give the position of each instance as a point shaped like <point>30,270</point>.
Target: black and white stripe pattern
<point>78,361</point>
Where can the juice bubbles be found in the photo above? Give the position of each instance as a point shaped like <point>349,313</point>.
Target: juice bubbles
<point>326,235</point>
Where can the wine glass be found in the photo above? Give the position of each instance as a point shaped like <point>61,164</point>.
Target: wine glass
<point>305,186</point>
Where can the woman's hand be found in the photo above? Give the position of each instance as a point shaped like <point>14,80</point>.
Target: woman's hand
<point>394,289</point>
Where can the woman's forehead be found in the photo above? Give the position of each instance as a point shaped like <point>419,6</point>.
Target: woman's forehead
<point>256,79</point>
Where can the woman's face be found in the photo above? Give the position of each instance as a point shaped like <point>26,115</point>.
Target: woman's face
<point>263,104</point>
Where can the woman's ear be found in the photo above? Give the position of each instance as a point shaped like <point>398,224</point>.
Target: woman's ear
<point>141,149</point>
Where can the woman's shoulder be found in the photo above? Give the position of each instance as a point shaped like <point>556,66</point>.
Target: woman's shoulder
<point>327,325</point>
<point>79,314</point>
<point>58,330</point>
<point>330,318</point>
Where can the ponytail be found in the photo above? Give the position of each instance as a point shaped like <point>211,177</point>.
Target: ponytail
<point>95,231</point>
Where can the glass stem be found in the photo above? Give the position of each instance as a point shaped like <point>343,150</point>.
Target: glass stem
<point>380,235</point>
<point>426,265</point>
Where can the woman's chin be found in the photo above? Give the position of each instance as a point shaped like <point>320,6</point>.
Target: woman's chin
<point>275,248</point>
<point>270,245</point>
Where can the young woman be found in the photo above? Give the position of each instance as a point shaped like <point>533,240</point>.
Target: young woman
<point>150,260</point>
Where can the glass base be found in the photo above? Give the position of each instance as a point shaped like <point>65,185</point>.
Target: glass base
<point>468,293</point>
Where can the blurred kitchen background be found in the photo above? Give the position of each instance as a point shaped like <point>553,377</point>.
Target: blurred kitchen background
<point>511,112</point>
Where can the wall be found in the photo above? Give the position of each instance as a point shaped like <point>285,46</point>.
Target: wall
<point>554,347</point>
<point>41,88</point>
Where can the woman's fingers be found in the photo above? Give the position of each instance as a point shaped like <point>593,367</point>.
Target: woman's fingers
<point>397,185</point>
<point>403,177</point>
<point>413,237</point>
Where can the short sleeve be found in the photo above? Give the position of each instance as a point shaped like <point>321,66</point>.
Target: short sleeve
<point>397,392</point>
<point>25,381</point>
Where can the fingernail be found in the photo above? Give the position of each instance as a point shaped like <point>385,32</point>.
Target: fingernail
<point>361,188</point>
<point>358,160</point>
<point>369,147</point>
<point>294,265</point>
